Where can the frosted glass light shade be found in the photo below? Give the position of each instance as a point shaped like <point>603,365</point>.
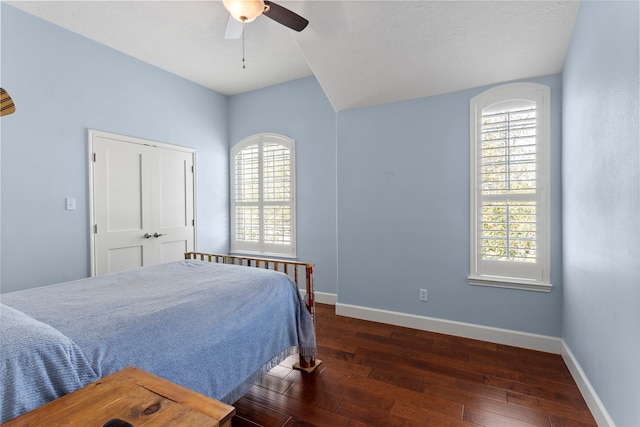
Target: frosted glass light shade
<point>244,10</point>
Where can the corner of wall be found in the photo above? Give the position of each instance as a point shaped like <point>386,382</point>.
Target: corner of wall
<point>589,394</point>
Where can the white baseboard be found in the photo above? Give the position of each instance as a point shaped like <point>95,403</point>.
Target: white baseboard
<point>322,297</point>
<point>325,298</point>
<point>594,403</point>
<point>467,330</point>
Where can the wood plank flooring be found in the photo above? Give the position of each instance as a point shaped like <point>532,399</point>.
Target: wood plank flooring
<point>381,375</point>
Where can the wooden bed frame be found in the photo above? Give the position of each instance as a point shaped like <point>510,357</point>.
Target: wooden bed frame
<point>290,268</point>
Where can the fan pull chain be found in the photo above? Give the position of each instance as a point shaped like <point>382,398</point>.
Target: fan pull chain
<point>243,66</point>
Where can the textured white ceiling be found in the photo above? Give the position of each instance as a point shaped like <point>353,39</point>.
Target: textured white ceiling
<point>363,52</point>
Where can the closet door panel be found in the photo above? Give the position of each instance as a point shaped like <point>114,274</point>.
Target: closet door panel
<point>122,205</point>
<point>173,202</point>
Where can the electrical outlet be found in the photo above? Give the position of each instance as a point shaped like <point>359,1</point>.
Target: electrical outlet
<point>423,295</point>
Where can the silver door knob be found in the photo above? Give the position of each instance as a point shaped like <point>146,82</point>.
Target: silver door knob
<point>146,235</point>
<point>158,234</point>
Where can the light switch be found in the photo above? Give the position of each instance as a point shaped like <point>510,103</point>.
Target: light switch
<point>71,203</point>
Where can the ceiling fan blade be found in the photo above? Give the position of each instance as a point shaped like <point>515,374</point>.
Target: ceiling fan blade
<point>6,103</point>
<point>284,16</point>
<point>233,30</point>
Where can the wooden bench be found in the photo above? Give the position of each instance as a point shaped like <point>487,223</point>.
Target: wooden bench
<point>132,395</point>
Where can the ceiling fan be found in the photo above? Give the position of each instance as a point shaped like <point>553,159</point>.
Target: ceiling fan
<point>243,11</point>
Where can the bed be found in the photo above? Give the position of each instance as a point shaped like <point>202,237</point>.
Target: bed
<point>203,323</point>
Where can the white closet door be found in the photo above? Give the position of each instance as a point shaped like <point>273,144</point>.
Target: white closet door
<point>142,202</point>
<point>173,204</point>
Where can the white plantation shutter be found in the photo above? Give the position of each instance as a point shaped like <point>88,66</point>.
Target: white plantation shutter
<point>509,187</point>
<point>277,193</point>
<point>263,196</point>
<point>247,194</point>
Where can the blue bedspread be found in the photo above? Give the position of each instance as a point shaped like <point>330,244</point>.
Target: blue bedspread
<point>208,327</point>
<point>29,349</point>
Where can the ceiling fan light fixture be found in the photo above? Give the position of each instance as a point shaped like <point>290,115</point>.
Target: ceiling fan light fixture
<point>244,10</point>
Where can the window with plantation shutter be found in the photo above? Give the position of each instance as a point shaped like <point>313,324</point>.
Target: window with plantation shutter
<point>263,196</point>
<point>510,187</point>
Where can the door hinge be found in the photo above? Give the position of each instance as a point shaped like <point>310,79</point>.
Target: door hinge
<point>193,222</point>
<point>94,157</point>
<point>192,169</point>
<point>95,228</point>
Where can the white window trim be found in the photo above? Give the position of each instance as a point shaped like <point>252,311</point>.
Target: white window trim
<point>540,94</point>
<point>261,248</point>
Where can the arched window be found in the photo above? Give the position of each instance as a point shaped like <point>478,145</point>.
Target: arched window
<point>510,140</point>
<point>263,217</point>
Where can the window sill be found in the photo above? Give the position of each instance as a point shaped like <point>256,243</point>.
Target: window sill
<point>499,282</point>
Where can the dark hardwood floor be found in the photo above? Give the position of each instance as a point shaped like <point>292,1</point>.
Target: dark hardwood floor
<point>380,375</point>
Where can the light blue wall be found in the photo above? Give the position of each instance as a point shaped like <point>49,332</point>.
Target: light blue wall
<point>403,215</point>
<point>601,206</point>
<point>301,111</point>
<point>64,84</point>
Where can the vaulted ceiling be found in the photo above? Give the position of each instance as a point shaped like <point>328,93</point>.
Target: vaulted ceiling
<point>362,52</point>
